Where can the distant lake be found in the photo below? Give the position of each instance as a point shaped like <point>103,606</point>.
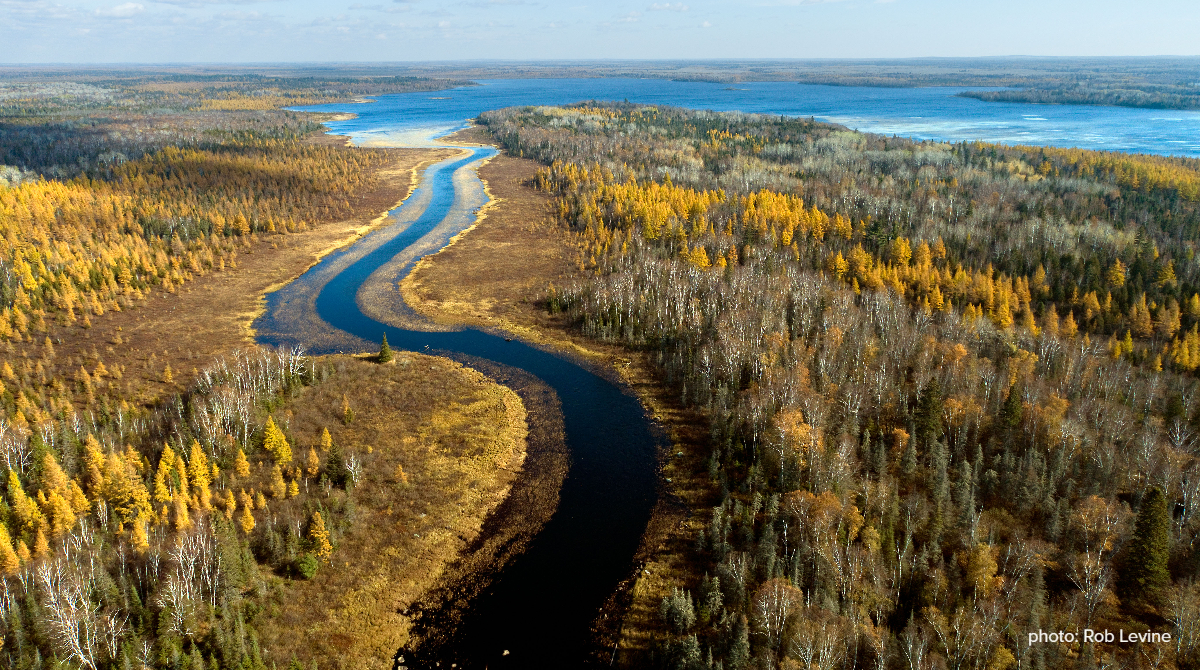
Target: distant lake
<point>921,113</point>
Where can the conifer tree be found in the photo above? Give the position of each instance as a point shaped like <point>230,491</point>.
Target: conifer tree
<point>326,439</point>
<point>62,517</point>
<point>53,477</point>
<point>385,352</point>
<point>1012,410</point>
<point>141,542</point>
<point>278,486</point>
<point>199,471</point>
<point>9,562</point>
<point>275,442</point>
<point>41,546</point>
<point>319,537</point>
<point>22,505</point>
<point>246,520</point>
<point>1144,577</point>
<point>347,413</point>
<point>241,466</point>
<point>312,463</point>
<point>180,518</point>
<point>928,414</point>
<point>229,503</point>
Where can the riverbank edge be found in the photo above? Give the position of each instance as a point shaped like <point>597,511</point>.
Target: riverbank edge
<point>628,625</point>
<point>358,610</point>
<point>353,236</point>
<point>543,459</point>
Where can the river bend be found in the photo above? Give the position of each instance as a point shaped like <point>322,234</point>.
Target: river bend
<point>541,606</point>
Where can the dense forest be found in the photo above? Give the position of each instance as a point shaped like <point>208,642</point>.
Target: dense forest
<point>35,93</point>
<point>1154,82</point>
<point>1152,96</point>
<point>142,529</point>
<point>950,387</point>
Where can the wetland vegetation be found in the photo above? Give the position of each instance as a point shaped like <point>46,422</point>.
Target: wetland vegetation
<point>925,396</point>
<point>949,388</point>
<point>175,496</point>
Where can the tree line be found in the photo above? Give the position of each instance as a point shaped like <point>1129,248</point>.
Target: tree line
<point>946,397</point>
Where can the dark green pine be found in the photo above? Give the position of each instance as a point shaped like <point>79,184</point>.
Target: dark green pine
<point>1144,577</point>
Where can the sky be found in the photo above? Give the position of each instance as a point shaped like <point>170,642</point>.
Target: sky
<point>178,31</point>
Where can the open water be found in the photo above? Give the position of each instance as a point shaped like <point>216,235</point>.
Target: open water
<point>539,611</point>
<point>924,113</point>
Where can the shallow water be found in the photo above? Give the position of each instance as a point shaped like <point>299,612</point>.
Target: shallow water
<point>541,606</point>
<point>924,113</point>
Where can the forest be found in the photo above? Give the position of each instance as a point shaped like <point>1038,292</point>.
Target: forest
<point>36,92</point>
<point>153,517</point>
<point>1153,82</point>
<point>950,388</point>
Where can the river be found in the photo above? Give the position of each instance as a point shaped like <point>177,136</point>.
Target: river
<point>540,608</point>
<point>538,612</point>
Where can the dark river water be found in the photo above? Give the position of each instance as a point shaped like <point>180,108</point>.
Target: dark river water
<point>540,607</point>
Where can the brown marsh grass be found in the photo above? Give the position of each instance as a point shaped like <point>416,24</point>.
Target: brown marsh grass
<point>459,440</point>
<point>497,275</point>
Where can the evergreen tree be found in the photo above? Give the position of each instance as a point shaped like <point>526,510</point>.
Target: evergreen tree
<point>335,466</point>
<point>739,650</point>
<point>385,352</point>
<point>1011,410</point>
<point>1144,577</point>
<point>928,414</point>
<point>965,494</point>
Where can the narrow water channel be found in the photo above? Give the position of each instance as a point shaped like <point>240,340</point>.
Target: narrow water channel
<point>540,608</point>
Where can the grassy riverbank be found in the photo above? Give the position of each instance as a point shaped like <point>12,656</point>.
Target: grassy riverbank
<point>440,446</point>
<point>499,275</point>
<point>129,395</point>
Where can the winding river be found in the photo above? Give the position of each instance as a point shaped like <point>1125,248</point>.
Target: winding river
<point>538,610</point>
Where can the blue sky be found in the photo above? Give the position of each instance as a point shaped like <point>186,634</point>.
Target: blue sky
<point>403,30</point>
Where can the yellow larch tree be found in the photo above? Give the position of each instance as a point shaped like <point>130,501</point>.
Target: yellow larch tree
<point>319,537</point>
<point>275,442</point>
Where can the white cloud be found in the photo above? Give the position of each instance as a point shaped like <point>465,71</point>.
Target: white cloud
<point>706,24</point>
<point>793,3</point>
<point>669,7</point>
<point>631,17</point>
<point>402,9</point>
<point>123,11</point>
<point>205,3</point>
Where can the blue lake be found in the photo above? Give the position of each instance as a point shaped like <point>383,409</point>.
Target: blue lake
<point>922,113</point>
<point>559,584</point>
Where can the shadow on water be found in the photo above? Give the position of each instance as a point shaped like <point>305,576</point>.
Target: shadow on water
<point>540,607</point>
